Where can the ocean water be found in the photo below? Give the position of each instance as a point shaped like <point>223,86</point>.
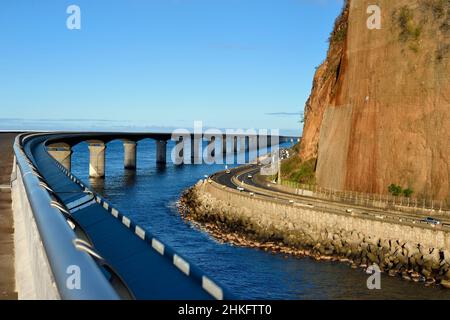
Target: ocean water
<point>149,195</point>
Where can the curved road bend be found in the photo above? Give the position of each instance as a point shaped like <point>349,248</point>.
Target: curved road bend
<point>147,268</point>
<point>244,176</point>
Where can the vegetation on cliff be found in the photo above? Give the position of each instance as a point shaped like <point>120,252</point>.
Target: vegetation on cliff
<point>409,30</point>
<point>397,190</point>
<point>339,32</point>
<point>411,26</point>
<point>296,170</point>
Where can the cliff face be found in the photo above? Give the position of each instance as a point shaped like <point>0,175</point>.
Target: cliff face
<point>324,87</point>
<point>379,110</point>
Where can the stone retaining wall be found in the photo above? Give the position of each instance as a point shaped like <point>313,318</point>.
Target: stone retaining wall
<point>416,252</point>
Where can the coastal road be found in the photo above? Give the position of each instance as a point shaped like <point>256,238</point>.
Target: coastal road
<point>244,176</point>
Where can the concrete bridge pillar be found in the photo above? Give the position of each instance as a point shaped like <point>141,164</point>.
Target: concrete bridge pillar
<point>97,160</point>
<point>161,150</point>
<point>61,154</point>
<point>232,150</point>
<point>252,143</point>
<point>242,144</point>
<point>240,154</point>
<point>275,141</point>
<point>261,144</point>
<point>213,153</point>
<point>224,146</point>
<point>211,147</point>
<point>252,148</point>
<point>129,159</point>
<point>178,151</point>
<point>196,150</point>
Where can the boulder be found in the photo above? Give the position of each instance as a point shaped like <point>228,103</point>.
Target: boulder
<point>446,254</point>
<point>372,257</point>
<point>445,284</point>
<point>426,273</point>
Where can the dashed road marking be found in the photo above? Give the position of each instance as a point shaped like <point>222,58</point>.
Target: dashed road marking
<point>181,264</point>
<point>126,221</point>
<point>140,232</point>
<point>158,246</point>
<point>115,213</point>
<point>212,288</point>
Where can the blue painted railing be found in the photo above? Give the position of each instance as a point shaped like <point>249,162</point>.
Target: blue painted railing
<point>58,238</point>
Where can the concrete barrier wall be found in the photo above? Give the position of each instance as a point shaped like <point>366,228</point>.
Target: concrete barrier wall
<point>34,278</point>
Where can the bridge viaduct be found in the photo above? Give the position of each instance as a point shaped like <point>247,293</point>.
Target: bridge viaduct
<point>61,225</point>
<point>61,148</point>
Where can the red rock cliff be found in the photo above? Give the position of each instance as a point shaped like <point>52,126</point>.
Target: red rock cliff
<point>379,110</point>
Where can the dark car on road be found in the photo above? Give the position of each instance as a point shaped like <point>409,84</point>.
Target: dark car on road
<point>431,221</point>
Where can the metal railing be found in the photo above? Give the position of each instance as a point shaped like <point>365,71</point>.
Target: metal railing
<point>367,199</point>
<point>57,236</point>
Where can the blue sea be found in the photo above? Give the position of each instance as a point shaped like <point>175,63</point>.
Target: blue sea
<point>149,196</point>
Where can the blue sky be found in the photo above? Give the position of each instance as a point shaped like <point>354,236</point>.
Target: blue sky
<point>161,63</point>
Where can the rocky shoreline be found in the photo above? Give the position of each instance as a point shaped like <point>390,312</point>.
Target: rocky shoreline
<point>233,224</point>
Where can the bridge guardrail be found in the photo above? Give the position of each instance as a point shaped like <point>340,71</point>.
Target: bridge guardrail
<point>58,238</point>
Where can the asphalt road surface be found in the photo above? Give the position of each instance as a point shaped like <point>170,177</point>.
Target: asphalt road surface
<point>244,177</point>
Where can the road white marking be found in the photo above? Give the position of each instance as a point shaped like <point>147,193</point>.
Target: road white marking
<point>88,204</point>
<point>212,288</point>
<point>115,213</point>
<point>140,232</point>
<point>77,202</point>
<point>181,264</point>
<point>126,221</point>
<point>158,246</point>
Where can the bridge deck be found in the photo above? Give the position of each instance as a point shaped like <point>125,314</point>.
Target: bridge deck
<point>147,273</point>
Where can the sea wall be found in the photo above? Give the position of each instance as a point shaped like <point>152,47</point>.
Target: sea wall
<point>419,253</point>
